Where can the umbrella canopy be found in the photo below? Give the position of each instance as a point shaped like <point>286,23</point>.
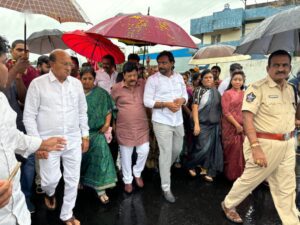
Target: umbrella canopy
<point>280,31</point>
<point>60,10</point>
<point>145,30</point>
<point>216,54</point>
<point>92,46</point>
<point>45,41</point>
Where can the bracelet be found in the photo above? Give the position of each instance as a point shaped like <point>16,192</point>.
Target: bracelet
<point>86,138</point>
<point>255,145</point>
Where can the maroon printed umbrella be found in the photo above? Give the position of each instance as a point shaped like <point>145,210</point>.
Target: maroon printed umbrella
<point>92,46</point>
<point>138,29</point>
<point>60,10</point>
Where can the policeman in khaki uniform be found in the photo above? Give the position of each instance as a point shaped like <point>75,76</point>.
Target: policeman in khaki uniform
<point>269,110</point>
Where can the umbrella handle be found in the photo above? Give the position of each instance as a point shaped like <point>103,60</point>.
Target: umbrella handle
<point>25,31</point>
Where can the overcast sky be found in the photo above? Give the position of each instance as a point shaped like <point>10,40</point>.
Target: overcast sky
<point>178,11</point>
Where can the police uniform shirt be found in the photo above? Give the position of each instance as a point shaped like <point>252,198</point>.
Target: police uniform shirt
<point>273,107</point>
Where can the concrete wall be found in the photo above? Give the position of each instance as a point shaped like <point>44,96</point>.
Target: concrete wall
<point>256,69</point>
<point>226,35</point>
<point>250,26</point>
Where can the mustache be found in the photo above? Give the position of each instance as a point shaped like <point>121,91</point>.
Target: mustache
<point>280,72</point>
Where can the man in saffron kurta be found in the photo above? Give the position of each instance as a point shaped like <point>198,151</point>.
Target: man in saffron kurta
<point>132,124</point>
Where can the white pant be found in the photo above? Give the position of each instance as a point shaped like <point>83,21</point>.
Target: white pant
<point>126,154</point>
<point>50,173</point>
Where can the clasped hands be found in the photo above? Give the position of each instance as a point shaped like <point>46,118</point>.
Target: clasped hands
<point>175,105</point>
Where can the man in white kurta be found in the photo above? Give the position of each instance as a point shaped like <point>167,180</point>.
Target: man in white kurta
<point>13,141</point>
<point>13,209</point>
<point>56,106</point>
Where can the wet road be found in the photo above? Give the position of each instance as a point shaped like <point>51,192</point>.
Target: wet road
<point>197,203</point>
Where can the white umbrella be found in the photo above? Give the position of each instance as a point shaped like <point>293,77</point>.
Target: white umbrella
<point>213,54</point>
<point>280,31</point>
<point>45,41</point>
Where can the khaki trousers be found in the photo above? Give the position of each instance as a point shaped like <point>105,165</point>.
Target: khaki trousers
<point>170,140</point>
<point>280,174</point>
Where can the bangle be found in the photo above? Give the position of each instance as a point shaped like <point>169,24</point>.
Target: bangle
<point>255,145</point>
<point>86,138</point>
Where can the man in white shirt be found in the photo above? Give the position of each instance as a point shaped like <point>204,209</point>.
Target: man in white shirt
<point>56,106</point>
<point>225,83</point>
<point>107,78</point>
<point>13,209</point>
<point>165,93</point>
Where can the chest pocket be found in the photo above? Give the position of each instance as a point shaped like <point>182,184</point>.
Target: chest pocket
<point>274,104</point>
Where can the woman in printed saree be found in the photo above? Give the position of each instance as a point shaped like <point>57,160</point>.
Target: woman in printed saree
<point>97,167</point>
<point>232,127</point>
<point>206,149</point>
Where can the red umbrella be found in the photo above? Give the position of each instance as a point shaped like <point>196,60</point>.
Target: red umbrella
<point>147,30</point>
<point>92,46</point>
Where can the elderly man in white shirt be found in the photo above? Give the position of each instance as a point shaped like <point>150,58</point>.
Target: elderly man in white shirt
<point>107,78</point>
<point>56,106</point>
<point>13,209</point>
<point>165,93</point>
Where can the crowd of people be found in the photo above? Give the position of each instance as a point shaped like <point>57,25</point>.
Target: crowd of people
<point>92,120</point>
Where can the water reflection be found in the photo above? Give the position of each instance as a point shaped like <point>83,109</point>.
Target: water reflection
<point>131,211</point>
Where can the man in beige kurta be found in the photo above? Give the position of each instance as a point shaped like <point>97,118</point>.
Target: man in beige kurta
<point>269,149</point>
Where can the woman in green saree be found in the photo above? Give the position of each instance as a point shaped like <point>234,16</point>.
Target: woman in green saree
<point>97,167</point>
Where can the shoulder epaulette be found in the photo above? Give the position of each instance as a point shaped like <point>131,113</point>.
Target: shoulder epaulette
<point>257,84</point>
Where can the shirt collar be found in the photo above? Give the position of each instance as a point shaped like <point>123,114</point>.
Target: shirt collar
<point>138,83</point>
<point>53,78</point>
<point>172,75</point>
<point>272,83</point>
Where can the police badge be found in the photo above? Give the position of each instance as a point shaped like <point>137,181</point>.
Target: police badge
<point>250,97</point>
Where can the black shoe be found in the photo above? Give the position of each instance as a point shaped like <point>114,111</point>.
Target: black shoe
<point>39,190</point>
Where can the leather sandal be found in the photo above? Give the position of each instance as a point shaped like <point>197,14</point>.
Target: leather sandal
<point>192,172</point>
<point>203,171</point>
<point>231,214</point>
<point>50,202</point>
<point>72,221</point>
<point>208,178</point>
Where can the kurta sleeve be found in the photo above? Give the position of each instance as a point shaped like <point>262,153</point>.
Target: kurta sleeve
<point>26,145</point>
<point>149,93</point>
<point>31,109</point>
<point>83,118</point>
